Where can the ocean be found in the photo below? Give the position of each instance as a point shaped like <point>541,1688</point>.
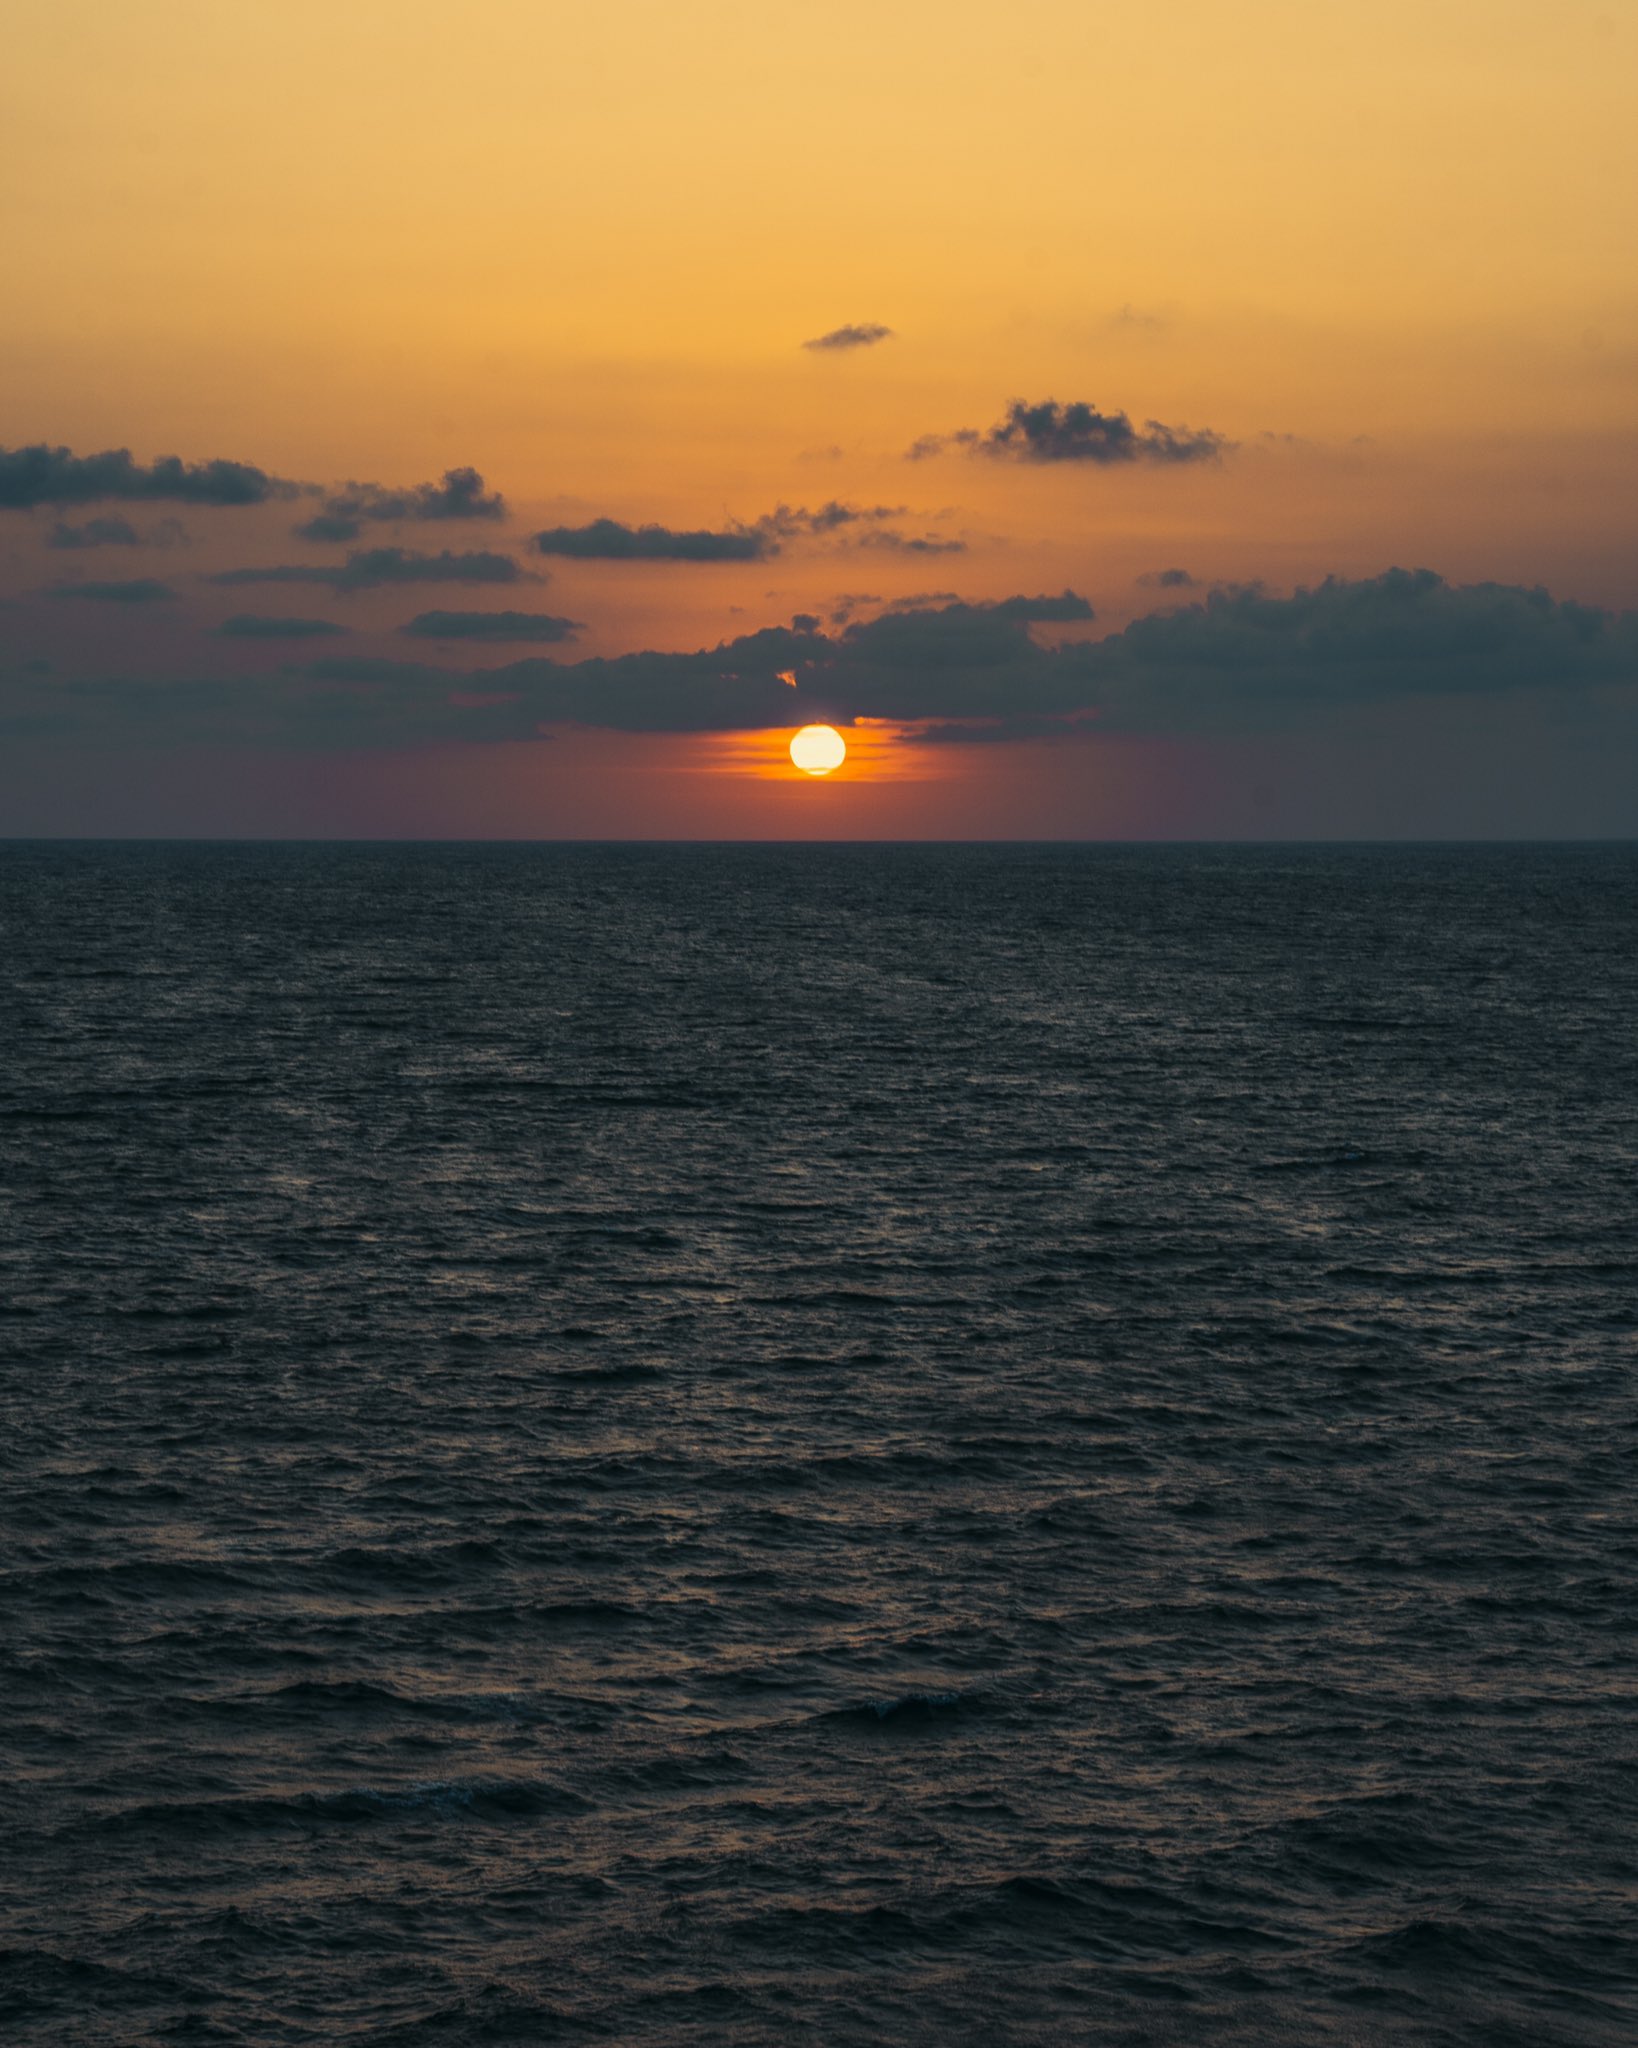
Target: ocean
<point>834,1445</point>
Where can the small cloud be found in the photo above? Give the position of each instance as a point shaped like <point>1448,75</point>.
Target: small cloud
<point>39,475</point>
<point>1135,319</point>
<point>329,526</point>
<point>250,626</point>
<point>109,532</point>
<point>1078,432</point>
<point>138,590</point>
<point>607,540</point>
<point>375,568</point>
<point>759,540</point>
<point>858,527</point>
<point>788,522</point>
<point>460,495</point>
<point>1167,579</point>
<point>490,626</point>
<point>865,335</point>
<point>929,445</point>
<point>894,542</point>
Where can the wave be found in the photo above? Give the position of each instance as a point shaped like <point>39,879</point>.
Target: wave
<point>496,1800</point>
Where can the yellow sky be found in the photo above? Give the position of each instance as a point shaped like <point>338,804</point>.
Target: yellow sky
<point>1384,251</point>
<point>580,246</point>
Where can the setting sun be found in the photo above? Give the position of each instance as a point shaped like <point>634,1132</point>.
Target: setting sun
<point>818,749</point>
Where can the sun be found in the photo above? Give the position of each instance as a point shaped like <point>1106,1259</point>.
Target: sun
<point>817,749</point>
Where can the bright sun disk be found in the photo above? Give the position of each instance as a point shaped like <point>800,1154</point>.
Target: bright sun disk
<point>817,749</point>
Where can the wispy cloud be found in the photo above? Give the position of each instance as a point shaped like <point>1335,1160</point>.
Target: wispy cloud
<point>135,590</point>
<point>493,626</point>
<point>107,532</point>
<point>374,568</point>
<point>864,334</point>
<point>252,626</point>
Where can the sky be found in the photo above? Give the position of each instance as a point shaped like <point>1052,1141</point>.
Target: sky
<point>515,421</point>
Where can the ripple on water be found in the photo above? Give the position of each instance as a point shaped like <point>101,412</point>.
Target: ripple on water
<point>833,1445</point>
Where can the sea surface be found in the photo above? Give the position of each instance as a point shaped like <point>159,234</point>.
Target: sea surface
<point>867,1445</point>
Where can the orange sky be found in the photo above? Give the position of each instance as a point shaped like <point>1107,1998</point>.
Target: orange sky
<point>1384,252</point>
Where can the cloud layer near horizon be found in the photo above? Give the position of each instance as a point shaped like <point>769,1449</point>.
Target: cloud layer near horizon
<point>1240,661</point>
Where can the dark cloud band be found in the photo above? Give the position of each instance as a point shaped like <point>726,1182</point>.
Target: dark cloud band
<point>1238,662</point>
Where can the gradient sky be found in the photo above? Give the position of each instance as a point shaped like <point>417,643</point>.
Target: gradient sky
<point>1283,357</point>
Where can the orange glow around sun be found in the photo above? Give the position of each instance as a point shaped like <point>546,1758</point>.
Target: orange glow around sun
<point>874,750</point>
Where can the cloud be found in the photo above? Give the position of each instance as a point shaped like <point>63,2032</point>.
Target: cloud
<point>374,568</point>
<point>1236,663</point>
<point>790,522</point>
<point>1244,660</point>
<point>926,446</point>
<point>890,540</point>
<point>329,526</point>
<point>108,532</point>
<point>1167,579</point>
<point>607,540</point>
<point>758,541</point>
<point>1068,608</point>
<point>250,626</point>
<point>39,475</point>
<point>1135,319</point>
<point>856,525</point>
<point>1050,432</point>
<point>866,335</point>
<point>1240,661</point>
<point>491,626</point>
<point>138,590</point>
<point>460,495</point>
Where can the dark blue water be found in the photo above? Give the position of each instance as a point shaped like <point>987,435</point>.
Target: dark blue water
<point>826,1446</point>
